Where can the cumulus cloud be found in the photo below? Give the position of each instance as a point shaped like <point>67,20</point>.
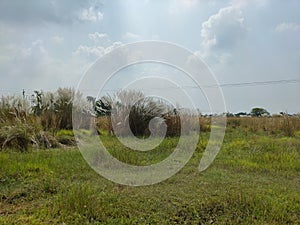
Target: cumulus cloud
<point>94,51</point>
<point>90,14</point>
<point>89,51</point>
<point>286,27</point>
<point>222,31</point>
<point>100,46</point>
<point>129,37</point>
<point>99,38</point>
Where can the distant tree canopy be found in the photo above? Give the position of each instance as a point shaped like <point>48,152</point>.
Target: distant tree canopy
<point>258,112</point>
<point>241,114</point>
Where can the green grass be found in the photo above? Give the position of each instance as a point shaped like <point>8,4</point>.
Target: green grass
<point>255,179</point>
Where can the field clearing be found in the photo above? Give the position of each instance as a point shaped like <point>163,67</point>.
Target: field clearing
<point>255,179</point>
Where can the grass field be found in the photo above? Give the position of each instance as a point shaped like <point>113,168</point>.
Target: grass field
<point>255,179</point>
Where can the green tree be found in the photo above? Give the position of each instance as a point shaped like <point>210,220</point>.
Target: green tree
<point>103,106</point>
<point>258,112</point>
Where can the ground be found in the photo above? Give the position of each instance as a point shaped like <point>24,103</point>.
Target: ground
<point>255,179</point>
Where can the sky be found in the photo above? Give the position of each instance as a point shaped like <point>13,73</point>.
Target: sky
<point>52,43</point>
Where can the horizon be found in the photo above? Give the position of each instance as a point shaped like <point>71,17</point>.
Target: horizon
<point>30,98</point>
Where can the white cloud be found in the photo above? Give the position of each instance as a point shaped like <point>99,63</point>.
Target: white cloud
<point>57,40</point>
<point>90,14</point>
<point>113,46</point>
<point>222,32</point>
<point>95,51</point>
<point>129,37</point>
<point>89,51</point>
<point>285,27</point>
<point>98,37</point>
<point>101,46</point>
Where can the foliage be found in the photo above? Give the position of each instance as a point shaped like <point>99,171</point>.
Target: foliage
<point>38,106</point>
<point>258,112</point>
<point>103,106</point>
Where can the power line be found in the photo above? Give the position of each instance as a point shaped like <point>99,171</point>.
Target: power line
<point>254,83</point>
<point>258,83</point>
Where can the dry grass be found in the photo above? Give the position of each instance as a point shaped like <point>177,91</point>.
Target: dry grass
<point>21,128</point>
<point>173,122</point>
<point>285,125</point>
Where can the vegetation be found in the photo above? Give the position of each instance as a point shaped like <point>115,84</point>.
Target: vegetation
<point>45,180</point>
<point>258,112</point>
<point>254,180</point>
<point>23,126</point>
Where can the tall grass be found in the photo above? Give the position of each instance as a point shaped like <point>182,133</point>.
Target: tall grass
<point>281,125</point>
<point>23,127</point>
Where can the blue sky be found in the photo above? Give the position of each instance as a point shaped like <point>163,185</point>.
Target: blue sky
<point>50,44</point>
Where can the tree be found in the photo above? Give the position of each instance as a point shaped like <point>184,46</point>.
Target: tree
<point>241,114</point>
<point>38,103</point>
<point>258,112</point>
<point>103,106</point>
